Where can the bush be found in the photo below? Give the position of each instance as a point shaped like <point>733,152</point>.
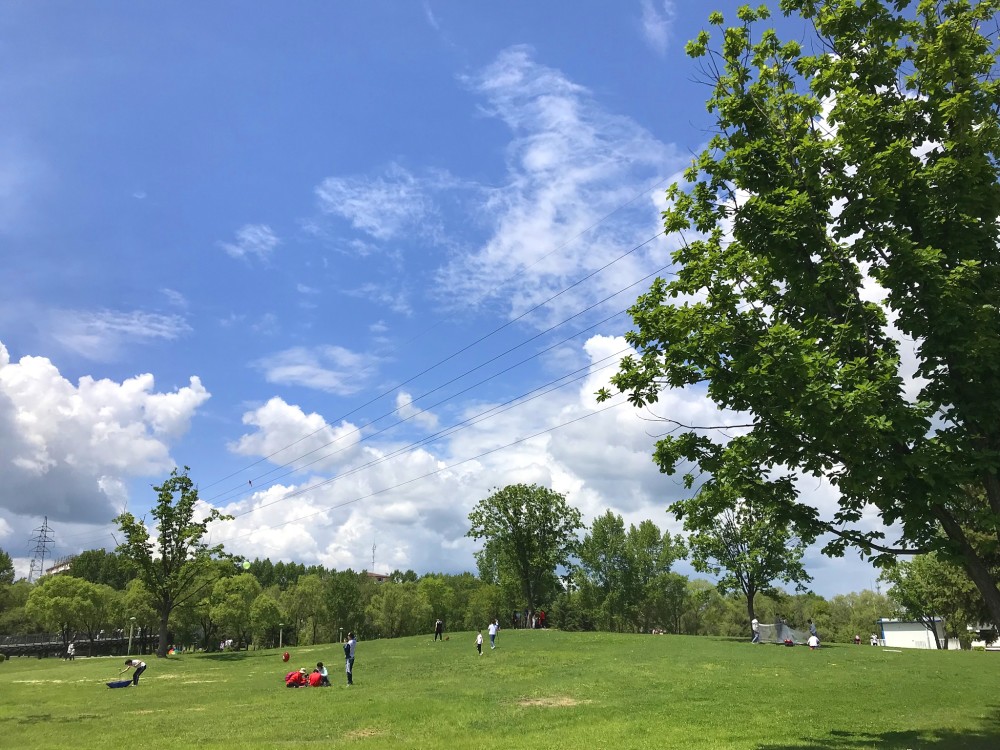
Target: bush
<point>2,657</point>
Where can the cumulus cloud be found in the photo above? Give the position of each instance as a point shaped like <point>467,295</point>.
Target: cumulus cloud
<point>252,240</point>
<point>325,368</point>
<point>287,435</point>
<point>406,410</point>
<point>65,448</point>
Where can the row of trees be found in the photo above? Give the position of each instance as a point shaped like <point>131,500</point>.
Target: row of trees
<point>533,556</point>
<point>631,589</point>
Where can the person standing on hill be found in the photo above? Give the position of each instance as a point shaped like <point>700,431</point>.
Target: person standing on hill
<point>493,634</point>
<point>349,657</point>
<point>479,643</point>
<point>439,629</point>
<point>755,629</point>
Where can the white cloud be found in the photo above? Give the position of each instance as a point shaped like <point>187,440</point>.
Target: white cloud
<point>571,200</point>
<point>657,23</point>
<point>397,300</point>
<point>175,298</point>
<point>406,410</point>
<point>326,368</point>
<point>252,240</point>
<point>414,503</point>
<point>431,18</point>
<point>286,434</point>
<point>381,207</point>
<point>100,335</point>
<point>65,449</point>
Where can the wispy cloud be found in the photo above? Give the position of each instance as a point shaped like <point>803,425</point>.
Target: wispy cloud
<point>657,23</point>
<point>175,298</point>
<point>397,300</point>
<point>431,18</point>
<point>252,239</point>
<point>382,206</point>
<point>99,335</point>
<point>326,368</point>
<point>573,198</point>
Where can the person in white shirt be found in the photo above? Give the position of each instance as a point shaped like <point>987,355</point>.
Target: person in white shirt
<point>479,643</point>
<point>755,627</point>
<point>139,667</point>
<point>493,634</point>
<point>813,642</point>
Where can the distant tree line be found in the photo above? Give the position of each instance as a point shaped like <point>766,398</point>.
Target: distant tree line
<point>536,556</point>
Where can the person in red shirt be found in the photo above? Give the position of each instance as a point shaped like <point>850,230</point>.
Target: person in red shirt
<point>315,679</point>
<point>296,679</point>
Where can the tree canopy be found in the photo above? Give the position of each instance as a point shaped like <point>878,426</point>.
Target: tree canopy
<point>172,564</point>
<point>838,280</point>
<point>529,532</point>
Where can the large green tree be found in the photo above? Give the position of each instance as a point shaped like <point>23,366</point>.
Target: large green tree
<point>928,588</point>
<point>748,546</point>
<point>628,571</point>
<point>838,280</point>
<point>232,600</point>
<point>529,532</point>
<point>173,562</point>
<point>68,604</point>
<point>101,566</point>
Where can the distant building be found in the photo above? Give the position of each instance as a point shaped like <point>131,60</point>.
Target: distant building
<point>914,634</point>
<point>378,577</point>
<point>60,566</point>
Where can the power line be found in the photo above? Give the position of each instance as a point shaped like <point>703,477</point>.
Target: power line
<point>459,377</point>
<point>344,504</point>
<point>451,430</point>
<point>446,359</point>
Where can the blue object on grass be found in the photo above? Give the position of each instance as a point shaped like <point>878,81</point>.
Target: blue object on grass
<point>119,683</point>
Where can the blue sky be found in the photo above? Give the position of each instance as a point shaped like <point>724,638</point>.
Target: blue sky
<point>296,247</point>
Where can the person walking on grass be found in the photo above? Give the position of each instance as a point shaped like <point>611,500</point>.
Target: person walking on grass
<point>349,657</point>
<point>493,634</point>
<point>138,665</point>
<point>479,642</point>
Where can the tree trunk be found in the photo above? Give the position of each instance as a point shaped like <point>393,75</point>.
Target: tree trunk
<point>161,646</point>
<point>973,564</point>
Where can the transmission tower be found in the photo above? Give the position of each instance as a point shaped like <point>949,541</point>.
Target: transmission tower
<point>42,540</point>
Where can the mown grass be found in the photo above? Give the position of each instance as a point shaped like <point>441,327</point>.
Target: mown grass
<point>537,690</point>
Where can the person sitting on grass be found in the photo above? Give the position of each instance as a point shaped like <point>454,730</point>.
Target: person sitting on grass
<point>315,679</point>
<point>324,675</point>
<point>296,679</point>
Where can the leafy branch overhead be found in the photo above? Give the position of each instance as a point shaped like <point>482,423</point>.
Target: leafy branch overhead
<point>839,277</point>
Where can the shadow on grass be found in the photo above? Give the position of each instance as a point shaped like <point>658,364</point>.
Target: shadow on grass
<point>239,655</point>
<point>985,737</point>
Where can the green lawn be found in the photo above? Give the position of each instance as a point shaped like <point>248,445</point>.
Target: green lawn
<point>539,689</point>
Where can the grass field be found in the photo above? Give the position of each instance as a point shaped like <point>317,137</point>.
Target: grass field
<point>539,689</point>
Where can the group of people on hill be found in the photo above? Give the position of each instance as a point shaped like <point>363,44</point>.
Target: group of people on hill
<point>813,640</point>
<point>320,677</point>
<point>528,619</point>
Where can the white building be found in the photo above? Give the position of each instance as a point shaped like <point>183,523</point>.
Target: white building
<point>913,634</point>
